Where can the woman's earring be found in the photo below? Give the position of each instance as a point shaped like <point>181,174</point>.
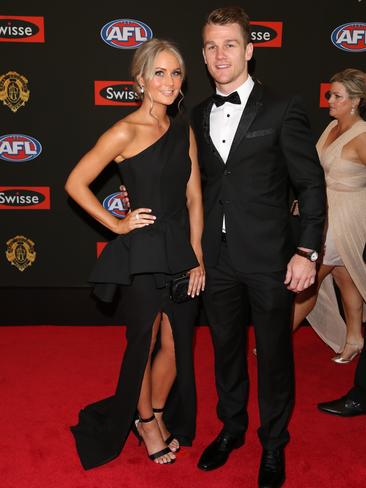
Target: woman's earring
<point>142,88</point>
<point>353,110</point>
<point>181,99</point>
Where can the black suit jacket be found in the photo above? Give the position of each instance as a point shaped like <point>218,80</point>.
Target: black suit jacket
<point>272,148</point>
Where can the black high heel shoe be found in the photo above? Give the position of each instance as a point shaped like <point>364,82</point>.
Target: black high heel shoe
<point>154,455</point>
<point>171,437</point>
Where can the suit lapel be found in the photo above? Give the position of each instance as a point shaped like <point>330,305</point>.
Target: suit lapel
<point>206,130</point>
<point>250,112</point>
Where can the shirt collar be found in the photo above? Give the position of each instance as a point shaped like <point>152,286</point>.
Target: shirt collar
<point>243,90</point>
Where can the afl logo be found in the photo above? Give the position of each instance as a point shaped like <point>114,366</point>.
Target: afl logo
<point>125,33</point>
<point>18,148</point>
<point>114,204</point>
<point>350,37</point>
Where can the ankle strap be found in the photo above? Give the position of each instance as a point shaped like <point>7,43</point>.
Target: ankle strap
<point>145,421</point>
<point>158,410</point>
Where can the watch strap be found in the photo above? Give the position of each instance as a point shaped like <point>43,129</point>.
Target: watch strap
<point>306,254</point>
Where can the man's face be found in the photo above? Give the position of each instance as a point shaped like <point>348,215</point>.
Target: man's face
<point>226,55</point>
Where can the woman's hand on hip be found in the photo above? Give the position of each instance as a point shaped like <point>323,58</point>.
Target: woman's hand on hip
<point>141,217</point>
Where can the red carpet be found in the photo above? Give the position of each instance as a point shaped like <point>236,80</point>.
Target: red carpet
<point>45,378</point>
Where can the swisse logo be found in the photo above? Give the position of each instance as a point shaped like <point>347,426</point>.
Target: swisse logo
<point>125,33</point>
<point>266,34</point>
<point>114,204</point>
<point>18,148</point>
<point>21,29</point>
<point>115,93</point>
<point>350,37</point>
<point>323,100</point>
<point>24,198</point>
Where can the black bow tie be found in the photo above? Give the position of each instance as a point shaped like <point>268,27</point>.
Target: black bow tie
<point>219,100</point>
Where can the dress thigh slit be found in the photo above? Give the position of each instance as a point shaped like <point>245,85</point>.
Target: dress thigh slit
<point>104,425</point>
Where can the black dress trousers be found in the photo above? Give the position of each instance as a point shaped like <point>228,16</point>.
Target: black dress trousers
<point>226,297</point>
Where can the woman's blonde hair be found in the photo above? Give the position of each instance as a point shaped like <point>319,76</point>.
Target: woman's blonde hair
<point>354,81</point>
<point>144,58</point>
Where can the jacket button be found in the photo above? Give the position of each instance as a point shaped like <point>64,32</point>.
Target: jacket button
<point>227,172</point>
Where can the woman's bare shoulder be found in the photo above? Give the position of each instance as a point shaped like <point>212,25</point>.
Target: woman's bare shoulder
<point>124,129</point>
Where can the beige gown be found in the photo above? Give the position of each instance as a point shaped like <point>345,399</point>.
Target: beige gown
<point>346,234</point>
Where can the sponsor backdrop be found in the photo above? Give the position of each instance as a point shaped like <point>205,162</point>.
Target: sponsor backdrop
<point>64,79</point>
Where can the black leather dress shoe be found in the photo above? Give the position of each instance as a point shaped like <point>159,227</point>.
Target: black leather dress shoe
<point>272,468</point>
<point>345,407</point>
<point>217,453</point>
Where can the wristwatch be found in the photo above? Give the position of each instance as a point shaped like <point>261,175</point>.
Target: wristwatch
<point>311,255</point>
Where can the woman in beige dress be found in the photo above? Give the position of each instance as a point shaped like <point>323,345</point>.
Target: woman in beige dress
<point>342,152</point>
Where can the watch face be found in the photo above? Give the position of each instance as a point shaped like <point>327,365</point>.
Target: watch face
<point>313,256</point>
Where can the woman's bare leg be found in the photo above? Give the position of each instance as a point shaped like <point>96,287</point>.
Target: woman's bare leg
<point>163,373</point>
<point>306,300</point>
<point>150,431</point>
<point>352,306</point>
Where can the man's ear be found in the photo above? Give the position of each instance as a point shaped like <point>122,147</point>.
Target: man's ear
<point>204,55</point>
<point>249,51</point>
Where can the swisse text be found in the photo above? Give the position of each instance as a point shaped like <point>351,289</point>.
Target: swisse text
<point>14,198</point>
<point>260,36</point>
<point>15,30</point>
<point>112,94</point>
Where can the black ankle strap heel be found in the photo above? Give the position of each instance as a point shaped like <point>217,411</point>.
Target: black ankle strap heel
<point>171,437</point>
<point>158,454</point>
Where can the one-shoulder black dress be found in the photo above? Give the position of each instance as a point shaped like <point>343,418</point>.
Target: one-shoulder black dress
<point>142,262</point>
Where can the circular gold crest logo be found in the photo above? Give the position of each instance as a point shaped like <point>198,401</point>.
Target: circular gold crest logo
<point>14,91</point>
<point>20,252</point>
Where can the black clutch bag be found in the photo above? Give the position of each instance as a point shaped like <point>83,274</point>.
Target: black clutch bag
<point>179,289</point>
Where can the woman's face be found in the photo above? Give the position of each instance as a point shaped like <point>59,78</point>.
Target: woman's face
<point>166,81</point>
<point>340,103</point>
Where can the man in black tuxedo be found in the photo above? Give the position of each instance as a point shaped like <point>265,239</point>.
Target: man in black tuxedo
<point>252,144</point>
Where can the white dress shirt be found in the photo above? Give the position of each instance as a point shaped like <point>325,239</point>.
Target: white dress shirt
<point>224,121</point>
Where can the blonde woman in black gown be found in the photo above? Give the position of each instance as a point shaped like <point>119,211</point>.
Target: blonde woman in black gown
<point>159,239</point>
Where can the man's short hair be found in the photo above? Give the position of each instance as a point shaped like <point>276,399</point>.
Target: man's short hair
<point>231,15</point>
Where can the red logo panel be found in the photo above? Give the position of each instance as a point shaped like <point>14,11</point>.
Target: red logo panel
<point>266,34</point>
<point>25,198</point>
<point>100,247</point>
<point>15,28</point>
<point>115,93</point>
<point>324,88</point>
